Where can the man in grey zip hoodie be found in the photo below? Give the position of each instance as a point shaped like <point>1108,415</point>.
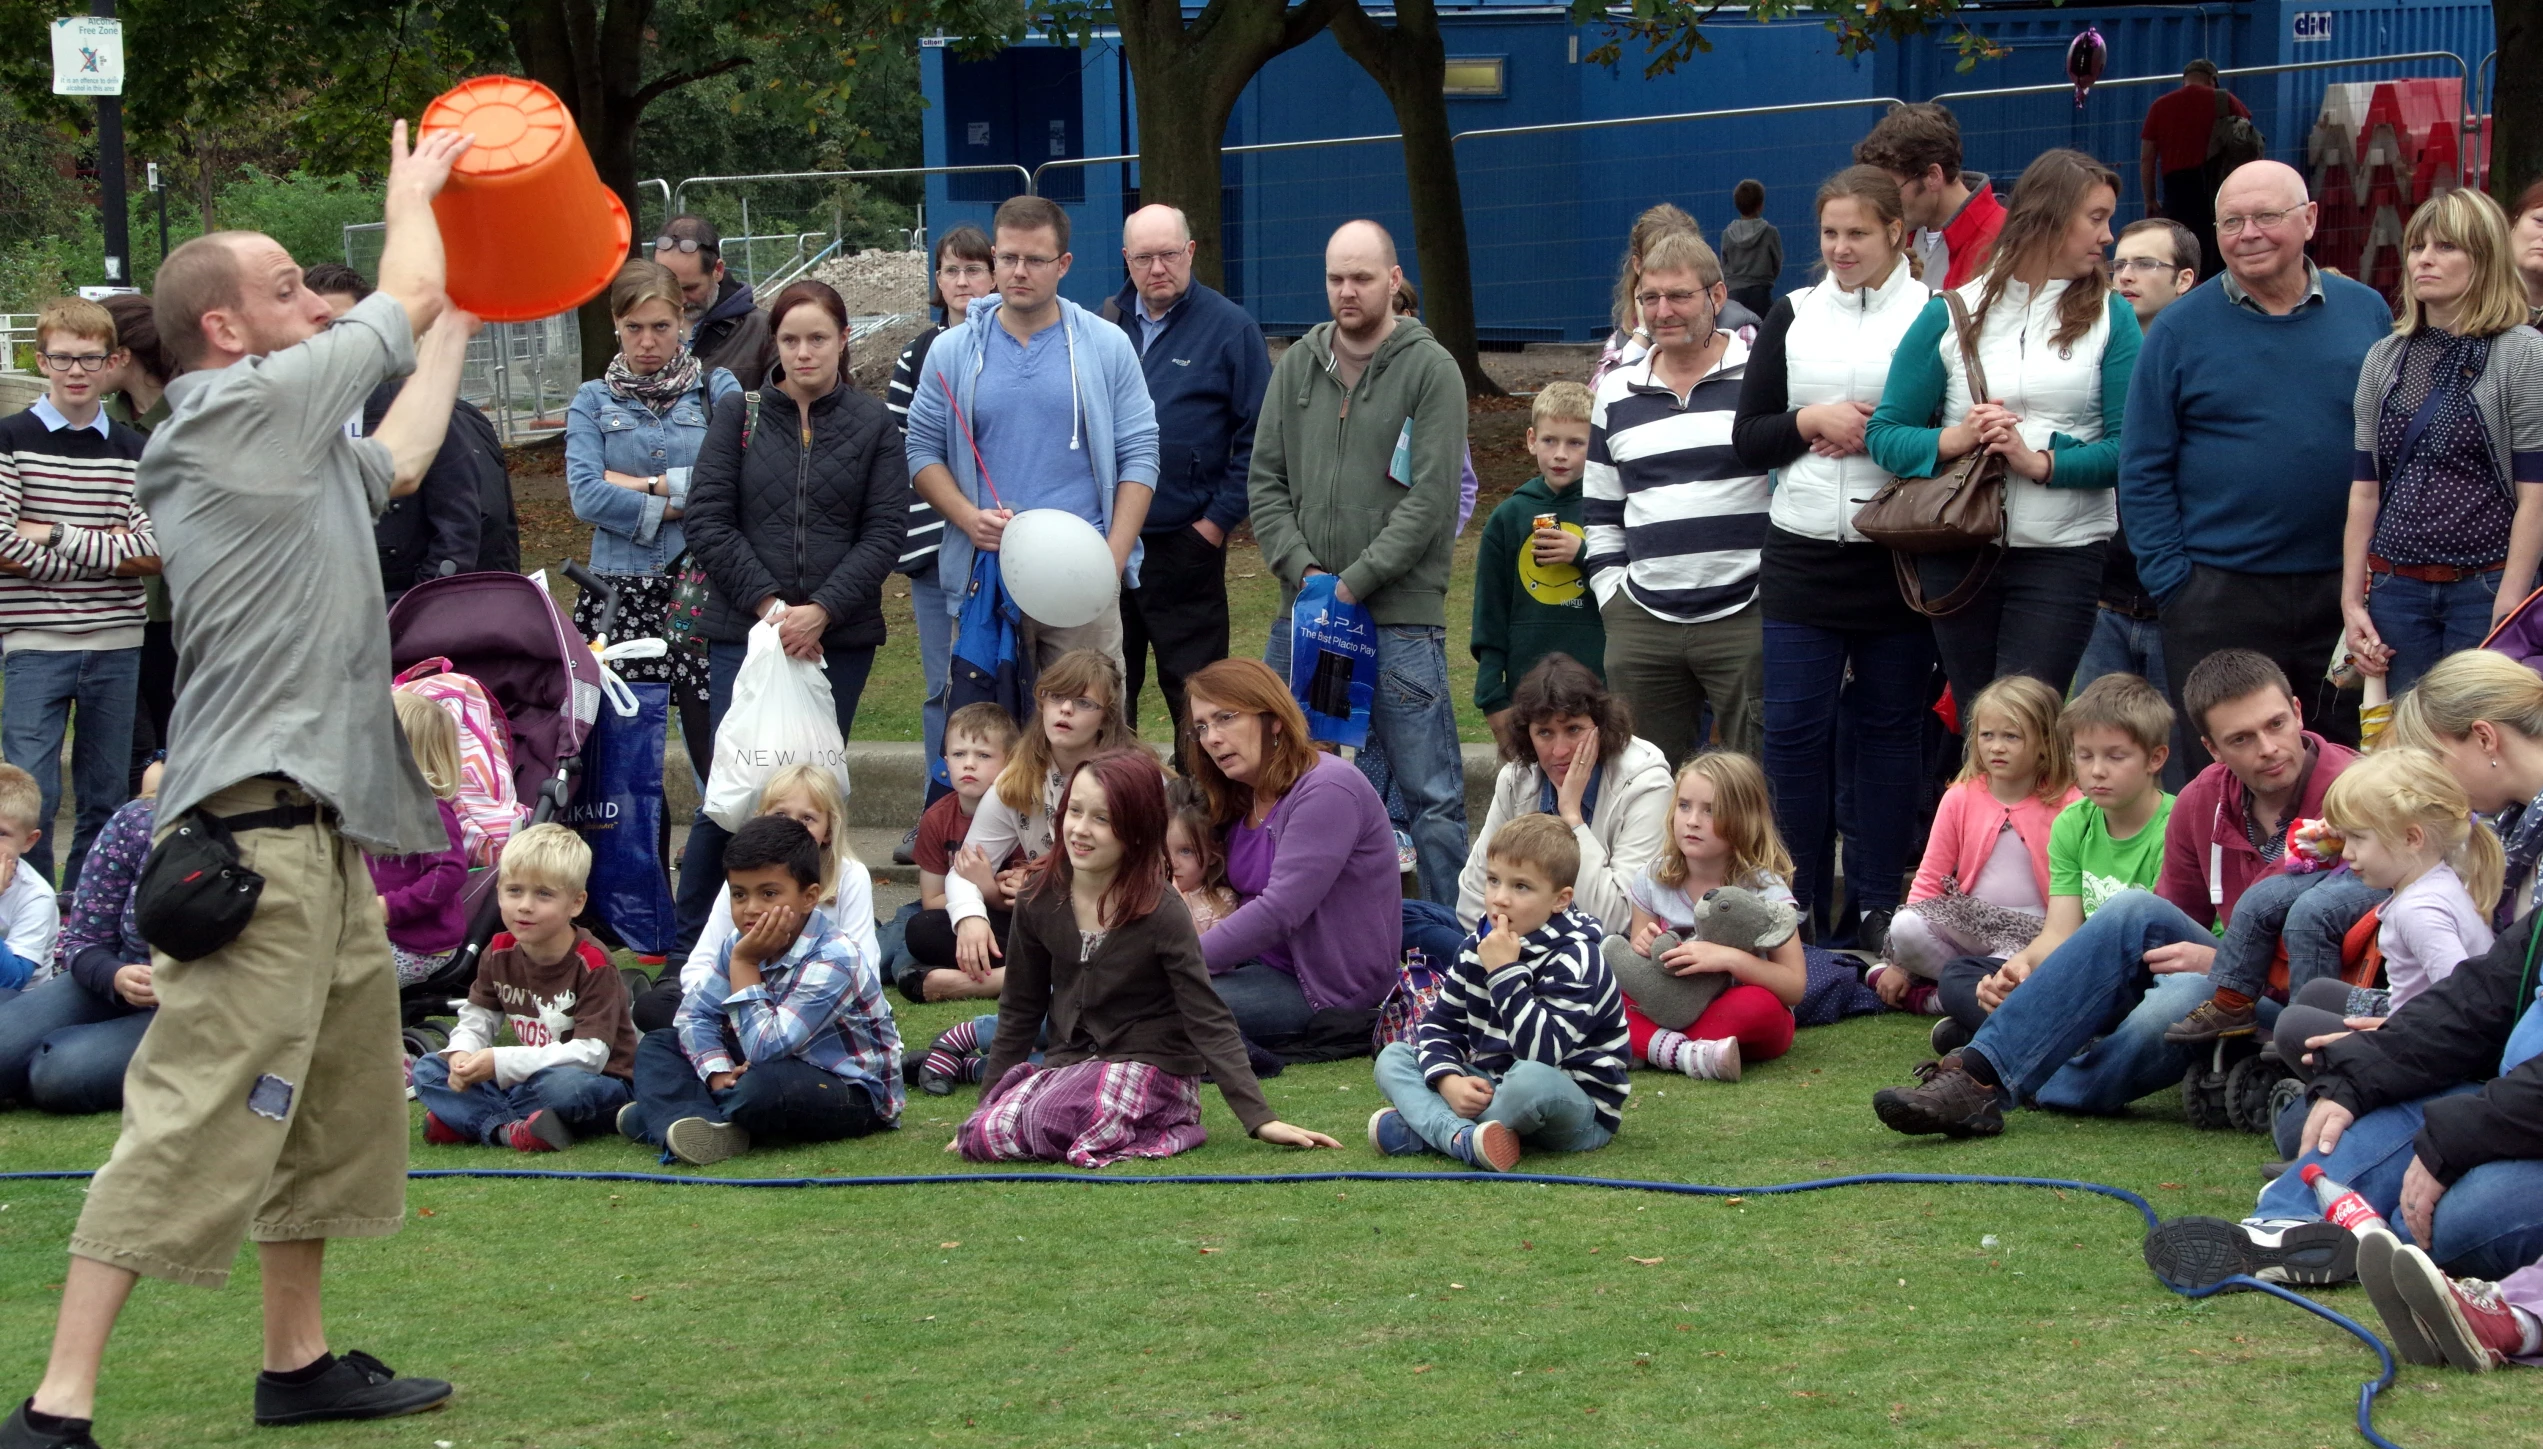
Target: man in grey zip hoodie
<point>1356,461</point>
<point>1057,413</point>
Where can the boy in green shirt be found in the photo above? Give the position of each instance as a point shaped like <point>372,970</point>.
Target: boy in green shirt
<point>1531,598</point>
<point>2119,730</point>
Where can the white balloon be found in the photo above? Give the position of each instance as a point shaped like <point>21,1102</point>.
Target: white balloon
<point>1057,567</point>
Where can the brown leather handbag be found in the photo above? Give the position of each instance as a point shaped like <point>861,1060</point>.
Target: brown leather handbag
<point>1959,508</point>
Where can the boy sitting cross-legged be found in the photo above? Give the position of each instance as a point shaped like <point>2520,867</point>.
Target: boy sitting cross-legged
<point>789,1037</point>
<point>978,739</point>
<point>567,1005</point>
<point>1526,1044</point>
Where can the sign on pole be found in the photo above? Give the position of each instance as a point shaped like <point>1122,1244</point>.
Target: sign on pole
<point>88,56</point>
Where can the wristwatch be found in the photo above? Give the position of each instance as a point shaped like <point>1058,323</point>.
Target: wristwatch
<point>657,488</point>
<point>56,540</point>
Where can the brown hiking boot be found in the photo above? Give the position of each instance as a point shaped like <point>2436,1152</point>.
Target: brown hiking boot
<point>1950,1102</point>
<point>2210,1022</point>
<point>1927,1071</point>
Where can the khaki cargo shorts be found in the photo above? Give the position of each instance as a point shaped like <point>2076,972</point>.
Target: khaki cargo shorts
<point>266,1099</point>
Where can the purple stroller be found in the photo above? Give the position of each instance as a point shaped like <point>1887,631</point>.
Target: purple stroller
<point>503,630</point>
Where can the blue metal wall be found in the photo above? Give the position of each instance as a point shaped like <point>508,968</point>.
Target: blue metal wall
<point>1546,214</point>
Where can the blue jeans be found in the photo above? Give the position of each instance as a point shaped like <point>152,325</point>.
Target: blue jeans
<point>44,687</point>
<point>2423,622</point>
<point>1542,1104</point>
<point>2488,1225</point>
<point>1265,1000</point>
<point>2094,986</point>
<point>2122,645</point>
<point>63,1049</point>
<point>787,1098</point>
<point>586,1102</point>
<point>929,602</point>
<point>2311,913</point>
<point>1415,721</point>
<point>1882,707</point>
<point>702,859</point>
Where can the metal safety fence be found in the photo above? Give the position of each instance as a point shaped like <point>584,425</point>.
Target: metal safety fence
<point>1546,209</point>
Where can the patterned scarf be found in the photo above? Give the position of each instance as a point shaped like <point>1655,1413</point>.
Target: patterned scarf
<point>2520,830</point>
<point>659,390</point>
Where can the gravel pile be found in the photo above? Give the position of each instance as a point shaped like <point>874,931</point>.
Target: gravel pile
<point>873,282</point>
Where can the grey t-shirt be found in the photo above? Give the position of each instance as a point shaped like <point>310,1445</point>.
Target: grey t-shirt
<point>264,509</point>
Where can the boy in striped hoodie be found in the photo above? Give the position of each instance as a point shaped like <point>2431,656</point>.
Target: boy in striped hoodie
<point>73,549</point>
<point>1525,1047</point>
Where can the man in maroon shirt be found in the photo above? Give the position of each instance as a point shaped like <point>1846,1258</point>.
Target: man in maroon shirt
<point>2172,155</point>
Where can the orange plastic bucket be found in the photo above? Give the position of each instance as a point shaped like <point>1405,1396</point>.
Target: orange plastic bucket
<point>527,229</point>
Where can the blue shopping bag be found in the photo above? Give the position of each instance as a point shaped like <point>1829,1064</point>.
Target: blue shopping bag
<point>618,811</point>
<point>1332,663</point>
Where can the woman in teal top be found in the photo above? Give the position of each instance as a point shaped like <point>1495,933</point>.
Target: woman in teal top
<point>2056,345</point>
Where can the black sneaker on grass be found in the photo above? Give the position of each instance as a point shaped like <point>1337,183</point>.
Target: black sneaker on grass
<point>2198,1252</point>
<point>1948,1101</point>
<point>355,1386</point>
<point>19,1432</point>
<point>1948,1036</point>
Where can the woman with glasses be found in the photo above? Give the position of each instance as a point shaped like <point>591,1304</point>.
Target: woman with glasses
<point>136,395</point>
<point>2446,515</point>
<point>631,440</point>
<point>1845,656</point>
<point>959,271</point>
<point>2056,344</point>
<point>1319,922</point>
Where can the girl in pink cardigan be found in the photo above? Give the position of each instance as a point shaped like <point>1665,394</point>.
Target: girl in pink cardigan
<point>1983,887</point>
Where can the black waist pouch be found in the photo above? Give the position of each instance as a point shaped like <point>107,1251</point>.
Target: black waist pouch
<point>194,896</point>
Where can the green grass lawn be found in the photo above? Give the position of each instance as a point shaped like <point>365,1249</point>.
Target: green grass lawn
<point>1413,1314</point>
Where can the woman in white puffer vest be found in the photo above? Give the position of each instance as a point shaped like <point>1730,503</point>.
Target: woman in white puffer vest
<point>1839,641</point>
<point>2057,346</point>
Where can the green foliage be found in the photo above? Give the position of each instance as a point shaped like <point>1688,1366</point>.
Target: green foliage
<point>1671,32</point>
<point>307,214</point>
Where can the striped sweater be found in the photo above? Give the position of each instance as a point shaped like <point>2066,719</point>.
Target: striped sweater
<point>1557,1004</point>
<point>1672,515</point>
<point>68,597</point>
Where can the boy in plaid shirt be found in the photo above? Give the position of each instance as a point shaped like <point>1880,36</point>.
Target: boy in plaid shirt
<point>790,1037</point>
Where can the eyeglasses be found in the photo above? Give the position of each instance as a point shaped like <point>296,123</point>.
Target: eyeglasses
<point>1013,261</point>
<point>2265,220</point>
<point>1142,261</point>
<point>1079,705</point>
<point>1219,723</point>
<point>66,361</point>
<point>687,244</point>
<point>963,271</point>
<point>1649,300</point>
<point>2120,265</point>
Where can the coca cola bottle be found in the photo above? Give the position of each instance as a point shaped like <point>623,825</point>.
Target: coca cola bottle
<point>2340,1202</point>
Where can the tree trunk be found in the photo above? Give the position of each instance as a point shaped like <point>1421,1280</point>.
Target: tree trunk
<point>1410,63</point>
<point>2516,99</point>
<point>1187,78</point>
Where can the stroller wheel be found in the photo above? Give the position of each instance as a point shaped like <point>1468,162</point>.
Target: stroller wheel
<point>2250,1089</point>
<point>2203,1099</point>
<point>424,1039</point>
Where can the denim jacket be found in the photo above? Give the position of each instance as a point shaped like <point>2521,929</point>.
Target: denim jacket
<point>604,432</point>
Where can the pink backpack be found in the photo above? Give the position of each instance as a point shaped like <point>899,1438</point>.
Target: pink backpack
<point>488,805</point>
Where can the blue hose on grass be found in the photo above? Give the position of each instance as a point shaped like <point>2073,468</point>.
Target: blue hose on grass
<point>2366,1391</point>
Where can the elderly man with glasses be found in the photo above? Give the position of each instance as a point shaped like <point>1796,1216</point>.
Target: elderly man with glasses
<point>2235,477</point>
<point>1034,402</point>
<point>727,329</point>
<point>1206,368</point>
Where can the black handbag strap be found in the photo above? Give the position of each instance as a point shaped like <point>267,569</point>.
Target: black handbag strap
<point>1912,588</point>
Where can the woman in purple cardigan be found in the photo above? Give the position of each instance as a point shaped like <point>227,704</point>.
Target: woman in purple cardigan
<point>1319,920</point>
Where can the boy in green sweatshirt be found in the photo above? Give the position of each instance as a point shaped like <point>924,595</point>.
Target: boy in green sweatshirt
<point>1531,598</point>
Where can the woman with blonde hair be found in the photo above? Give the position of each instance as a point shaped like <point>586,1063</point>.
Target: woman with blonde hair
<point>2481,714</point>
<point>2446,515</point>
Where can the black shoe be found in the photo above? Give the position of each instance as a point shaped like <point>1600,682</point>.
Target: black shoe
<point>1872,933</point>
<point>356,1386</point>
<point>2272,1170</point>
<point>1950,1102</point>
<point>935,1084</point>
<point>1949,1036</point>
<point>17,1433</point>
<point>906,853</point>
<point>2197,1252</point>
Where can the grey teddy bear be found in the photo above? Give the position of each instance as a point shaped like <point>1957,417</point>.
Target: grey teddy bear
<point>1726,916</point>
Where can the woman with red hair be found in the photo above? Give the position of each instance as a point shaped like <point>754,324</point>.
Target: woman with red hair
<point>1103,948</point>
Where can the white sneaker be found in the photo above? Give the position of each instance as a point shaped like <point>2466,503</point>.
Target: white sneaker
<point>700,1143</point>
<point>1712,1061</point>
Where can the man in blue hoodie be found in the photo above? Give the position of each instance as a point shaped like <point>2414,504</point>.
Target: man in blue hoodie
<point>1206,368</point>
<point>1056,412</point>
